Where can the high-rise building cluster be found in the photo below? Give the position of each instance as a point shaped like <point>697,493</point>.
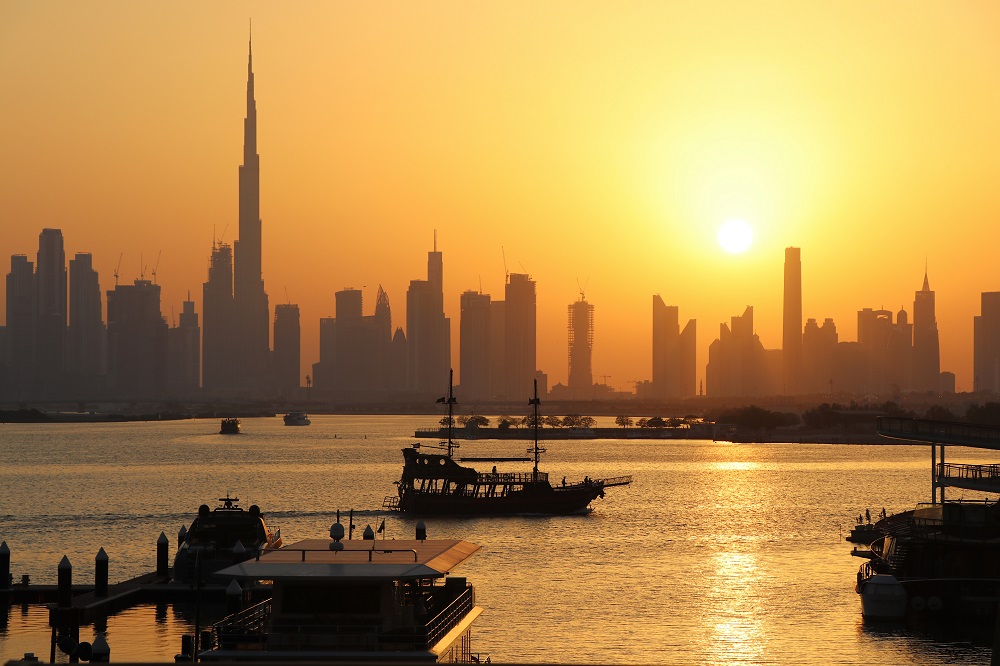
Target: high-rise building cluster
<point>891,355</point>
<point>56,345</point>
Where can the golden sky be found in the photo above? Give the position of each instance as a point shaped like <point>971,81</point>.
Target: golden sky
<point>593,141</point>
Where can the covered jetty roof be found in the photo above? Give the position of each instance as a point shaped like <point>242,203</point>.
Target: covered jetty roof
<point>312,559</point>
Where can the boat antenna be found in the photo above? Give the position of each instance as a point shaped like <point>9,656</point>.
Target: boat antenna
<point>450,401</point>
<point>535,402</point>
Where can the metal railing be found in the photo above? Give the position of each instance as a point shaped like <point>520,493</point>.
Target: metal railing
<point>969,472</point>
<point>511,477</point>
<point>250,628</point>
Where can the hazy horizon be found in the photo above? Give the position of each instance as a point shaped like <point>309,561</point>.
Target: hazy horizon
<point>602,146</point>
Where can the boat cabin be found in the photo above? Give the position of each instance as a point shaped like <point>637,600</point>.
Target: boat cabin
<point>354,600</point>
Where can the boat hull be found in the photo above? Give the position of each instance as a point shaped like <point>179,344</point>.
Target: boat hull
<point>540,500</point>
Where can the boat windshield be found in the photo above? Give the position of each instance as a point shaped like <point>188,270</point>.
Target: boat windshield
<point>225,534</point>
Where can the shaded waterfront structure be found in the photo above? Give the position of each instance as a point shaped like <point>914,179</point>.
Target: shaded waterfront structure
<point>791,338</point>
<point>474,346</point>
<point>674,353</point>
<point>86,358</point>
<point>428,331</point>
<point>286,358</point>
<point>986,344</point>
<point>580,336</point>
<point>137,341</point>
<point>926,346</point>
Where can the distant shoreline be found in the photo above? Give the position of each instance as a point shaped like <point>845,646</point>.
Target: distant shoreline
<point>709,433</point>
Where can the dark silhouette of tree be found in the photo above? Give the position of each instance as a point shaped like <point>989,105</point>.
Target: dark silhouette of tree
<point>624,421</point>
<point>987,414</point>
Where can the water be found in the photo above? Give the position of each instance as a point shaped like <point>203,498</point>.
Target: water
<point>718,553</point>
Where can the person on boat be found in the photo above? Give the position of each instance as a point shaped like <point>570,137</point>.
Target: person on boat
<point>883,512</point>
<point>868,516</point>
<point>564,482</point>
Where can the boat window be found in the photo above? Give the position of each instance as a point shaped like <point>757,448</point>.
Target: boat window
<point>351,598</point>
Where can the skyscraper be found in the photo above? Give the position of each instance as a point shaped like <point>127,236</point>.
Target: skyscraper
<point>137,340</point>
<point>219,358</point>
<point>286,362</point>
<point>791,338</point>
<point>926,348</point>
<point>986,344</point>
<point>22,358</point>
<point>474,346</point>
<point>674,352</point>
<point>85,351</point>
<point>520,326</point>
<point>251,339</point>
<point>184,352</point>
<point>580,327</point>
<point>50,282</point>
<point>428,331</point>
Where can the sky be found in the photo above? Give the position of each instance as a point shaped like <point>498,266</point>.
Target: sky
<point>596,146</point>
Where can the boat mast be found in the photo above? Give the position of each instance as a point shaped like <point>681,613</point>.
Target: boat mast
<point>450,400</point>
<point>535,402</point>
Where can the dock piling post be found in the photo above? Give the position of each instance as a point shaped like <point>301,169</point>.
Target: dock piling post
<point>239,552</point>
<point>234,597</point>
<point>5,578</point>
<point>162,565</point>
<point>101,574</point>
<point>421,531</point>
<point>100,652</point>
<point>64,592</point>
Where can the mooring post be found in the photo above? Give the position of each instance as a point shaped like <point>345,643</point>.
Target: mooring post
<point>64,592</point>
<point>234,597</point>
<point>5,577</point>
<point>239,552</point>
<point>421,531</point>
<point>100,652</point>
<point>101,574</point>
<point>162,563</point>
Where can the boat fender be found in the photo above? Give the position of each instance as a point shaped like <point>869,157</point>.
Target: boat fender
<point>934,604</point>
<point>918,603</point>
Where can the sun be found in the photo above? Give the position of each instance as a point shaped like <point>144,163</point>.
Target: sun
<point>735,236</point>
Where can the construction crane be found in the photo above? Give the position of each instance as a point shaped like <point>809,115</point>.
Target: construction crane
<point>583,288</point>
<point>118,267</point>
<point>157,265</point>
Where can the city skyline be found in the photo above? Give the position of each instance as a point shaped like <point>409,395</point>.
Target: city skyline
<point>353,180</point>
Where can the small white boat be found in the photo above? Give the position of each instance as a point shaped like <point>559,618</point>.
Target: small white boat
<point>297,419</point>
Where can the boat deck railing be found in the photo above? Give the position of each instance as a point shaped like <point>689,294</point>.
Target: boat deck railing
<point>511,477</point>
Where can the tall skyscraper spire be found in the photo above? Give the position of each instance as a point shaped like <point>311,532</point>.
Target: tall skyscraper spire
<point>250,299</point>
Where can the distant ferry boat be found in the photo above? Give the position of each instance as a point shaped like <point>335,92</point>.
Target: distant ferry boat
<point>297,419</point>
<point>434,484</point>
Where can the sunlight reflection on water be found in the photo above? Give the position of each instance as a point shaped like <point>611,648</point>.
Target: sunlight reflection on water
<point>717,553</point>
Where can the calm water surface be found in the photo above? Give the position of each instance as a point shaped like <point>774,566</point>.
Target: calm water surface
<point>718,553</point>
